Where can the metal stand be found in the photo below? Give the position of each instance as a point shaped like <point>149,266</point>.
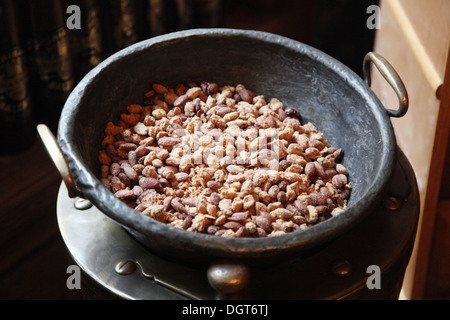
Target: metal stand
<point>366,263</point>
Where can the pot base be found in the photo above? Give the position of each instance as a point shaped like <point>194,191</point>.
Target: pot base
<point>380,245</point>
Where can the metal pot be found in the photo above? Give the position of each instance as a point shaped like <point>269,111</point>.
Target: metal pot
<point>327,93</point>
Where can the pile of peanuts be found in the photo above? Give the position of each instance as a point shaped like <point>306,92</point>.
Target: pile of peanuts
<point>222,161</point>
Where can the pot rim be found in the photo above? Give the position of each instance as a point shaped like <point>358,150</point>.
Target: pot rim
<point>92,189</point>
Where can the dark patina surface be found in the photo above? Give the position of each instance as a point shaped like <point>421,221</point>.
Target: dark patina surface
<point>327,93</point>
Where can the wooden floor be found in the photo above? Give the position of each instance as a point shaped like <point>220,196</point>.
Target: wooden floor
<point>34,261</point>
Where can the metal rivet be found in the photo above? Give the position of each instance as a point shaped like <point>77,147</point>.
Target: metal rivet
<point>392,203</point>
<point>82,204</point>
<point>125,267</point>
<point>341,267</point>
<point>228,277</point>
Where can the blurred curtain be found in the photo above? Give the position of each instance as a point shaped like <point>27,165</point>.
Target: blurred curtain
<point>41,59</point>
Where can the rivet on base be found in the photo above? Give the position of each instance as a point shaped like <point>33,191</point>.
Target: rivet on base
<point>341,267</point>
<point>125,267</point>
<point>82,204</point>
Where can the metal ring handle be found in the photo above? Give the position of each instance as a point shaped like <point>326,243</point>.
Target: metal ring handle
<point>53,149</point>
<point>392,77</point>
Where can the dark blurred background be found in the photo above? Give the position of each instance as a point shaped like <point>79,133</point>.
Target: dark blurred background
<point>41,61</point>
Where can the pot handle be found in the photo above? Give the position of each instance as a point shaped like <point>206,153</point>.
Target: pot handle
<point>392,77</point>
<point>55,153</point>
